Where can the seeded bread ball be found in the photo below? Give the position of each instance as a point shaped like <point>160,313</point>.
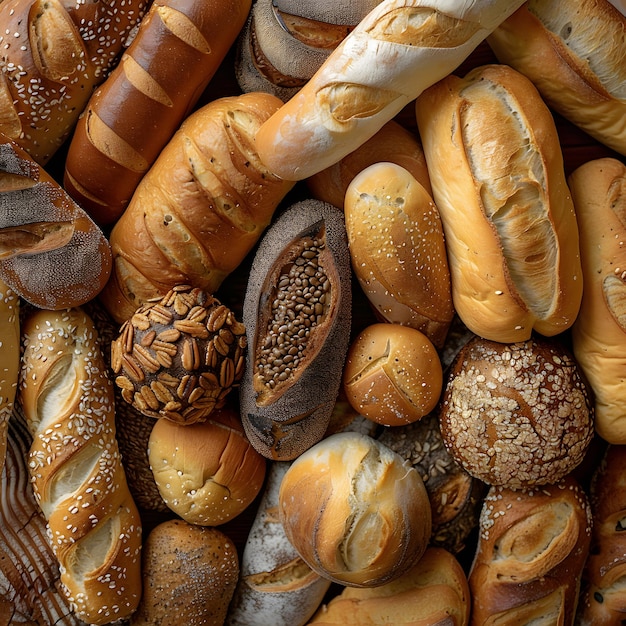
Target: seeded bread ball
<point>516,415</point>
<point>178,357</point>
<point>392,374</point>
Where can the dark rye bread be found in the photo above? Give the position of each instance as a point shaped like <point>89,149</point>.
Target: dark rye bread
<point>287,411</point>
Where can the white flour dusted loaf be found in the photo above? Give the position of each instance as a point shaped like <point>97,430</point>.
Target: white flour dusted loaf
<point>75,465</point>
<point>398,49</point>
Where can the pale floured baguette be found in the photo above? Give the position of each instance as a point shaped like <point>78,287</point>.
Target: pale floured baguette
<point>398,49</point>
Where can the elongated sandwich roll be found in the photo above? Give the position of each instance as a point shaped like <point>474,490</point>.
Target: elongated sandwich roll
<point>498,180</point>
<point>178,47</point>
<point>54,54</point>
<point>75,465</point>
<point>397,50</point>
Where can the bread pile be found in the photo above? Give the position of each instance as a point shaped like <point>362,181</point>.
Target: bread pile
<point>313,314</point>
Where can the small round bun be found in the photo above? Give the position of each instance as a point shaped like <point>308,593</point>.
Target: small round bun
<point>356,512</point>
<point>208,472</point>
<point>189,576</point>
<point>393,374</point>
<point>516,415</point>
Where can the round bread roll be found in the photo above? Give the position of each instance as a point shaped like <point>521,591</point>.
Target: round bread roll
<point>356,512</point>
<point>189,575</point>
<point>207,472</point>
<point>392,374</point>
<point>179,356</point>
<point>516,415</point>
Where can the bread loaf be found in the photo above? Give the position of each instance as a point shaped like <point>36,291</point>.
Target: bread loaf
<point>508,218</point>
<point>176,51</point>
<point>397,50</point>
<point>53,55</point>
<point>297,314</point>
<point>532,547</point>
<point>9,360</point>
<point>75,465</point>
<point>189,575</point>
<point>434,591</point>
<point>599,333</point>
<point>199,210</point>
<point>355,511</point>
<point>398,251</point>
<point>51,253</point>
<point>575,54</point>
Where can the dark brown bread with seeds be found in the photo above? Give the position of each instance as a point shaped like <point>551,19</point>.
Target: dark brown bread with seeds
<point>178,47</point>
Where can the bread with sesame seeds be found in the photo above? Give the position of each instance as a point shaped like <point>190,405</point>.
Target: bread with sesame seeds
<point>76,469</point>
<point>531,550</point>
<point>498,179</point>
<point>177,49</point>
<point>53,54</point>
<point>199,210</point>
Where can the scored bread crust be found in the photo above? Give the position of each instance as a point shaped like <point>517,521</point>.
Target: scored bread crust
<point>508,217</point>
<point>75,465</point>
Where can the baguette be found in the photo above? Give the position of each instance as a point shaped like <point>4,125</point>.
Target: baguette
<point>575,53</point>
<point>76,469</point>
<point>599,333</point>
<point>53,56</point>
<point>508,218</point>
<point>199,210</point>
<point>397,50</point>
<point>178,47</point>
<point>51,253</point>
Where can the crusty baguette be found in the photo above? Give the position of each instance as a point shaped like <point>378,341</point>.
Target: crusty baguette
<point>200,208</point>
<point>178,47</point>
<point>397,50</point>
<point>574,51</point>
<point>498,179</point>
<point>54,54</point>
<point>52,254</point>
<point>599,334</point>
<point>76,469</point>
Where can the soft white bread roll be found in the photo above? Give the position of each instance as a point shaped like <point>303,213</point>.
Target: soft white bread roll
<point>575,53</point>
<point>207,472</point>
<point>599,333</point>
<point>496,169</point>
<point>398,251</point>
<point>275,585</point>
<point>531,550</point>
<point>9,360</point>
<point>189,575</point>
<point>434,591</point>
<point>397,50</point>
<point>356,512</point>
<point>75,465</point>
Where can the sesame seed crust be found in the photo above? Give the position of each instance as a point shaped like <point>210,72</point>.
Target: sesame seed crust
<point>75,465</point>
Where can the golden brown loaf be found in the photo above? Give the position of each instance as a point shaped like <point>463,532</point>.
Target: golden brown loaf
<point>397,50</point>
<point>189,574</point>
<point>297,311</point>
<point>207,472</point>
<point>51,253</point>
<point>53,55</point>
<point>602,597</point>
<point>398,250</point>
<point>575,53</point>
<point>176,51</point>
<point>508,218</point>
<point>434,591</point>
<point>356,512</point>
<point>392,374</point>
<point>75,465</point>
<point>531,551</point>
<point>199,210</point>
<point>599,333</point>
<point>516,414</point>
